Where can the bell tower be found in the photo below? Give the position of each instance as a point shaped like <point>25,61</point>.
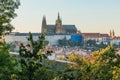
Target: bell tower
<point>58,24</point>
<point>43,29</point>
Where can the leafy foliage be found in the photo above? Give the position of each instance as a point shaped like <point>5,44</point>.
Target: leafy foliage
<point>32,57</point>
<point>7,13</point>
<point>101,65</point>
<point>65,42</point>
<point>7,63</point>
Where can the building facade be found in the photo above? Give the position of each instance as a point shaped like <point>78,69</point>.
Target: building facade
<point>58,27</point>
<point>98,37</point>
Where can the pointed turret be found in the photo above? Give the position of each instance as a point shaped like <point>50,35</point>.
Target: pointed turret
<point>110,33</point>
<point>58,19</point>
<point>43,30</point>
<point>58,15</point>
<point>113,33</point>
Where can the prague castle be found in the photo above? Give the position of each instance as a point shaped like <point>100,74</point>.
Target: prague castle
<point>58,27</point>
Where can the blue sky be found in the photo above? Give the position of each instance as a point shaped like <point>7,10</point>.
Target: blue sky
<point>87,15</point>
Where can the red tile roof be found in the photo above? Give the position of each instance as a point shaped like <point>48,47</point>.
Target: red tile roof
<point>95,35</point>
<point>104,35</point>
<point>117,37</point>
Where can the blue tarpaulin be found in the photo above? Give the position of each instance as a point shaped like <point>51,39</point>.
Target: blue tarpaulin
<point>77,38</point>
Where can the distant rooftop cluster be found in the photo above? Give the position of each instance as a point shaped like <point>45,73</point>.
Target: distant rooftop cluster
<point>111,35</point>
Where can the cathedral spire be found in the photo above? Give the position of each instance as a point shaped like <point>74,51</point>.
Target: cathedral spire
<point>58,19</point>
<point>43,29</point>
<point>58,24</point>
<point>44,20</point>
<point>112,34</point>
<point>58,15</point>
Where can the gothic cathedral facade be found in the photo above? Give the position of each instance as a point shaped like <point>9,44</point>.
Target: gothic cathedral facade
<point>58,27</point>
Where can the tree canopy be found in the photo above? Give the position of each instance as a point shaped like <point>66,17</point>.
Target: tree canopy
<point>7,13</point>
<point>103,64</point>
<point>7,63</point>
<point>32,57</point>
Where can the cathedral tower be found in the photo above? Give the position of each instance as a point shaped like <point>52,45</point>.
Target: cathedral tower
<point>113,34</point>
<point>43,29</point>
<point>58,25</point>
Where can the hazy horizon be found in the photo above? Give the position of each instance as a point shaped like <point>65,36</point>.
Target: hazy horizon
<point>88,15</point>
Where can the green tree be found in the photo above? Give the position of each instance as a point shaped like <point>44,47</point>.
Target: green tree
<point>65,42</point>
<point>7,13</point>
<point>80,70</point>
<point>32,60</point>
<point>7,63</point>
<point>101,65</point>
<point>105,63</point>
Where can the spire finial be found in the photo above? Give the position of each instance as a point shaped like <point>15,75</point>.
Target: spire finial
<point>58,15</point>
<point>44,17</point>
<point>58,19</point>
<point>43,28</point>
<point>113,32</point>
<point>110,33</point>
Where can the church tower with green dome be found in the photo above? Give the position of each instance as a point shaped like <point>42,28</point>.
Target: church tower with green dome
<point>58,24</point>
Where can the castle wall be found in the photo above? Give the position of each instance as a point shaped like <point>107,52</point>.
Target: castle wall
<point>53,39</point>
